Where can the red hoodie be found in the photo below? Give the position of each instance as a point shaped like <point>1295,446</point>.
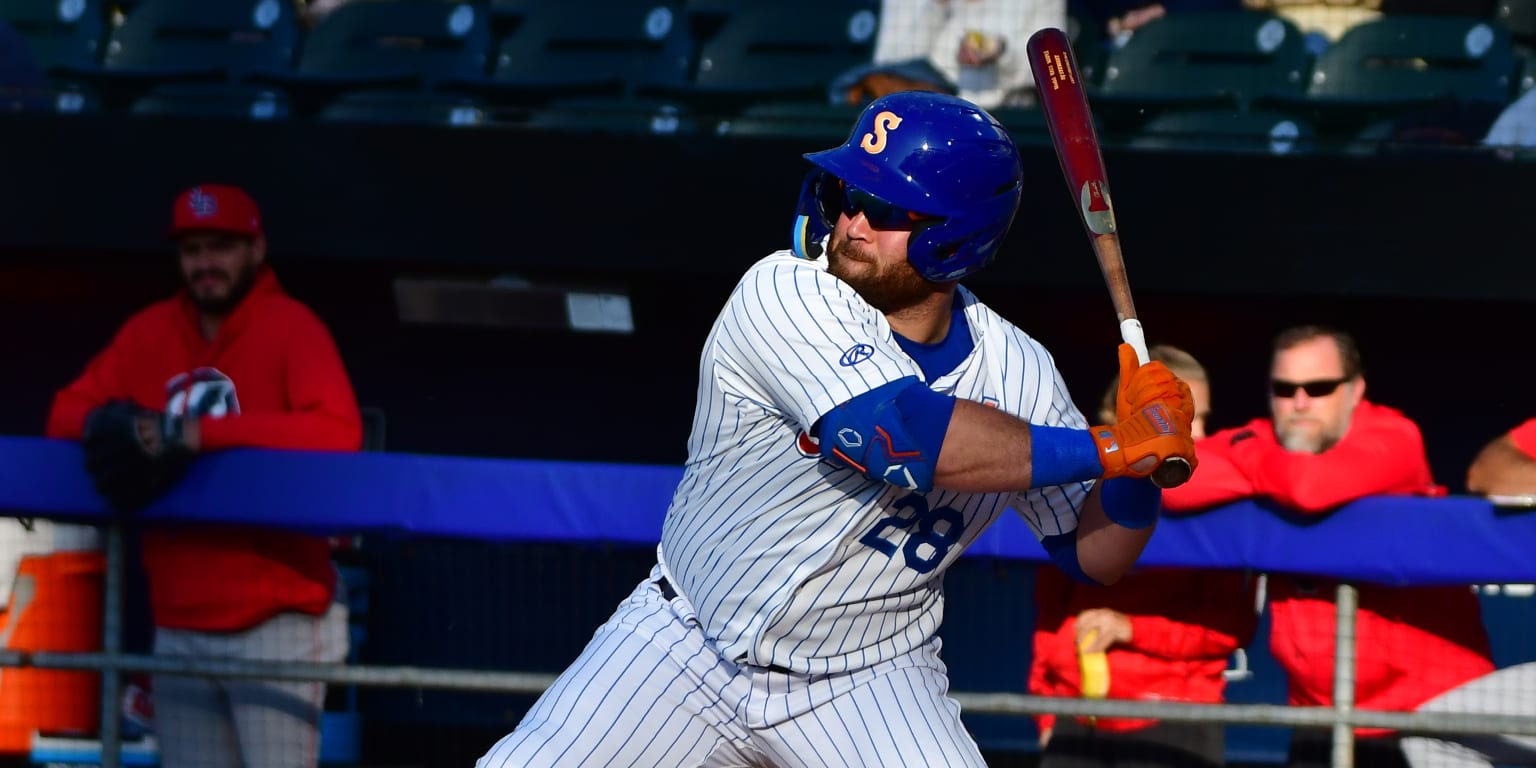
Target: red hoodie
<point>1413,643</point>
<point>1184,626</point>
<point>1524,437</point>
<point>271,379</point>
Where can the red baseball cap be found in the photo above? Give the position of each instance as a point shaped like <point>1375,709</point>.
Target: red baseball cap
<point>216,207</point>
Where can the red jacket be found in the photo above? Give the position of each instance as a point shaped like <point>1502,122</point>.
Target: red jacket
<point>271,379</point>
<point>1413,643</point>
<point>1524,437</point>
<point>1184,626</point>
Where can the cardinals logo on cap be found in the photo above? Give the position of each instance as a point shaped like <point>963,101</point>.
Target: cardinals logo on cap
<point>203,205</point>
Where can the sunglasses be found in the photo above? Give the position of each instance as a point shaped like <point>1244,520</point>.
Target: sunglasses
<point>1319,388</point>
<point>879,213</point>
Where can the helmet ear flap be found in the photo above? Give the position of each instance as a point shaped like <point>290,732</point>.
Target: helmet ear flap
<point>815,214</point>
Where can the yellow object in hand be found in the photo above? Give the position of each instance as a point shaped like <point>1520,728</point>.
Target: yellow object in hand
<point>1094,667</point>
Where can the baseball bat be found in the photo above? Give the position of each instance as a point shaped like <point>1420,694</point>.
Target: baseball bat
<point>1065,104</point>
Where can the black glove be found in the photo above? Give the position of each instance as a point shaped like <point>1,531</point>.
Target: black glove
<point>133,453</point>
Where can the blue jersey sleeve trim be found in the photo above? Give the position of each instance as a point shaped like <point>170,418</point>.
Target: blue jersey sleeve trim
<point>1131,502</point>
<point>1063,551</point>
<point>1060,455</point>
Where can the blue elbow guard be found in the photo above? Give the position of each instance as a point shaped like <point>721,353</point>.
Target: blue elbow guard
<point>1063,552</point>
<point>891,433</point>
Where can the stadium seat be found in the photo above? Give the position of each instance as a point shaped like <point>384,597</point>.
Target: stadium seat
<point>171,40</point>
<point>404,107</point>
<point>825,124</point>
<point>602,48</point>
<point>213,100</point>
<point>62,35</point>
<point>415,43</point>
<point>1209,59</point>
<point>1399,63</point>
<point>1226,131</point>
<point>1519,17</point>
<point>771,50</point>
<point>614,116</point>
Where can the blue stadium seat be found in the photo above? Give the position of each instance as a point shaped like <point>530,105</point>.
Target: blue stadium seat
<point>613,116</point>
<point>63,34</point>
<point>1227,131</point>
<point>776,50</point>
<point>1397,64</point>
<point>418,43</point>
<point>609,48</point>
<point>404,107</point>
<point>1205,59</point>
<point>170,40</point>
<point>213,100</point>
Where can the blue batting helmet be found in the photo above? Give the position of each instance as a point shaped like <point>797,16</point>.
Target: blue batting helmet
<point>932,154</point>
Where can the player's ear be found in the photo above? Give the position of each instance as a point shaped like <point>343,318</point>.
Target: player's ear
<point>259,250</point>
<point>1357,391</point>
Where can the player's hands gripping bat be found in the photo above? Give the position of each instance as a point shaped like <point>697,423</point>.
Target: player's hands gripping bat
<point>1065,104</point>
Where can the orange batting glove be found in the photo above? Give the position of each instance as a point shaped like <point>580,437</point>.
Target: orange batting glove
<point>1155,412</point>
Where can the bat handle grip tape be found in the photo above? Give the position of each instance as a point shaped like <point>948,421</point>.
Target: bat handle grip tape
<point>1131,333</point>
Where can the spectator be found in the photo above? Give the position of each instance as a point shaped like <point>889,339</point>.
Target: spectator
<point>976,45</point>
<point>1322,21</point>
<point>230,361</point>
<point>1323,446</point>
<point>1118,17</point>
<point>1506,466</point>
<point>1165,634</point>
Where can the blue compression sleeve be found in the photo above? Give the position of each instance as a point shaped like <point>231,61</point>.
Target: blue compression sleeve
<point>1063,551</point>
<point>1062,455</point>
<point>1131,502</point>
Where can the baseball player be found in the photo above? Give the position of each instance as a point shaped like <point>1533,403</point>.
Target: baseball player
<point>231,361</point>
<point>860,420</point>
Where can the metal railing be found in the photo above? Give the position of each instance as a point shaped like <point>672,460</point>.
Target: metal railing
<point>1342,717</point>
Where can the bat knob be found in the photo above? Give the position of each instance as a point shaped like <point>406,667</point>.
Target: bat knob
<point>1172,473</point>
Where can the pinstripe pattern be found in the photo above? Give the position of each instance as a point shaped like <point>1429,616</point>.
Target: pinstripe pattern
<point>783,561</point>
<point>770,544</point>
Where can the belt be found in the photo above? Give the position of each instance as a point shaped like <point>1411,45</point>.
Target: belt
<point>668,593</point>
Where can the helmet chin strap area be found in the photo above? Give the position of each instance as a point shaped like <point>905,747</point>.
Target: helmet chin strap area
<point>803,243</point>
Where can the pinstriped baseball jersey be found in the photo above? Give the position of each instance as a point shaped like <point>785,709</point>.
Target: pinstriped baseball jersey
<point>794,562</point>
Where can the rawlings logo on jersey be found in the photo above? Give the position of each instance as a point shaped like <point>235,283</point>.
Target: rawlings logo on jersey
<point>201,392</point>
<point>874,142</point>
<point>856,354</point>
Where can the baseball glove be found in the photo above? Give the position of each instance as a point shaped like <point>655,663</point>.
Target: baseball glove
<point>133,453</point>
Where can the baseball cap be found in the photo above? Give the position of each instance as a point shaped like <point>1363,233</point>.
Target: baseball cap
<point>217,207</point>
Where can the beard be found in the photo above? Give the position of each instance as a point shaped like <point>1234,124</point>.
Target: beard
<point>888,288</point>
<point>1304,440</point>
<point>221,304</point>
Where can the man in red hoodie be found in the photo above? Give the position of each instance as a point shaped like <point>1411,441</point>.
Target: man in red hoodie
<point>1165,634</point>
<point>1326,445</point>
<point>230,361</point>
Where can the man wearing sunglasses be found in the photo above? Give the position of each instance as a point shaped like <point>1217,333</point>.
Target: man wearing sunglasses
<point>861,420</point>
<point>1325,445</point>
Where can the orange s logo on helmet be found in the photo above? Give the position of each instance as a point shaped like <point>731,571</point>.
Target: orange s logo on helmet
<point>874,143</point>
